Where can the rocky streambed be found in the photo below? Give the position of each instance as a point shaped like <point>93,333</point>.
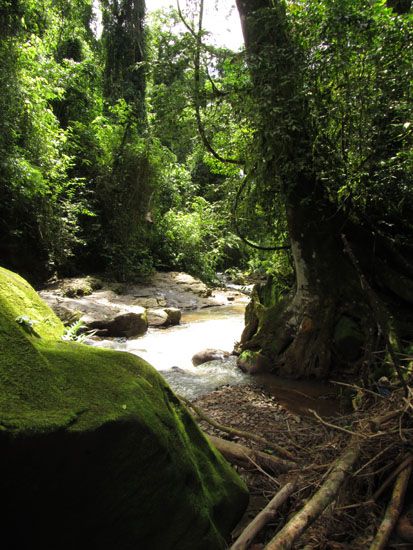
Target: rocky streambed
<point>165,320</point>
<point>160,300</point>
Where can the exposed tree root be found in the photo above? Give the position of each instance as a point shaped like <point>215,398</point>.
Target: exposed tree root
<point>344,467</point>
<point>393,510</point>
<point>244,456</point>
<point>240,433</point>
<point>266,515</point>
<point>318,503</point>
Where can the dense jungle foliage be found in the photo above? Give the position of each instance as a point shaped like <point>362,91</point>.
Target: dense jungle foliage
<point>111,145</point>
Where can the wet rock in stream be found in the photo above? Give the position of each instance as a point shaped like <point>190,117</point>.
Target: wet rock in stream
<point>165,317</point>
<point>163,296</point>
<point>126,325</point>
<point>192,383</point>
<point>207,355</point>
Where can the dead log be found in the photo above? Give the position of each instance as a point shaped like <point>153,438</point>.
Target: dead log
<point>319,501</point>
<point>393,510</point>
<point>267,514</point>
<point>244,456</point>
<point>240,433</point>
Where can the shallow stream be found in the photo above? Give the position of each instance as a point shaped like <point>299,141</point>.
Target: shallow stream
<point>170,351</point>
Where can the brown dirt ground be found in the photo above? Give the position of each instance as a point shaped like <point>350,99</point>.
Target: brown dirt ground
<point>346,524</point>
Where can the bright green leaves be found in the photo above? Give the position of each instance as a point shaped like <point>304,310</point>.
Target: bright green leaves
<point>195,239</point>
<point>42,194</point>
<point>357,84</point>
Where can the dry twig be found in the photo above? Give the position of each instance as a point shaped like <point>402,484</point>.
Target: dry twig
<point>333,426</point>
<point>319,501</point>
<point>240,433</point>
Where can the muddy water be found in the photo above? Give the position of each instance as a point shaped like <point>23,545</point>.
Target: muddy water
<point>300,396</point>
<point>170,351</point>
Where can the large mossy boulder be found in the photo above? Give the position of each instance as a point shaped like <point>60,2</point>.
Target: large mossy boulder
<point>96,452</point>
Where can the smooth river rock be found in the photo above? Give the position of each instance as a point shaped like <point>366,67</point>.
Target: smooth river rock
<point>100,311</point>
<point>208,354</point>
<point>125,325</point>
<point>164,317</point>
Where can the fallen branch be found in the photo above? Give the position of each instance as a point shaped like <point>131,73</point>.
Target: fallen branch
<point>240,433</point>
<point>319,501</point>
<point>407,462</point>
<point>329,425</point>
<point>393,510</point>
<point>241,455</point>
<point>266,515</point>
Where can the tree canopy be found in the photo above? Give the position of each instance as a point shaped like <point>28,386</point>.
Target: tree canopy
<point>150,148</point>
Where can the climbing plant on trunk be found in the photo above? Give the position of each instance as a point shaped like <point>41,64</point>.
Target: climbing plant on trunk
<point>125,56</point>
<point>329,322</point>
<point>126,190</point>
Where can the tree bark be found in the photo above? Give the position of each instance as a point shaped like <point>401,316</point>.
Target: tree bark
<point>266,515</point>
<point>326,325</point>
<point>244,456</point>
<point>318,502</point>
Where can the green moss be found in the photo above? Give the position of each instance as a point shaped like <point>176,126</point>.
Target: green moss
<point>254,361</point>
<point>95,441</point>
<point>269,336</point>
<point>28,384</point>
<point>84,286</point>
<point>18,299</point>
<point>269,293</point>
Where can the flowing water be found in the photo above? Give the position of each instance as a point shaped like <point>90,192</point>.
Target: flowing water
<point>170,350</point>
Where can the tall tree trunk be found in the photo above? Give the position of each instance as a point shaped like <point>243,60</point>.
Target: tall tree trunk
<point>124,40</point>
<point>328,323</point>
<point>125,194</point>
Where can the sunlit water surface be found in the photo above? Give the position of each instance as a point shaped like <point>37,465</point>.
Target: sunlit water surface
<point>170,350</point>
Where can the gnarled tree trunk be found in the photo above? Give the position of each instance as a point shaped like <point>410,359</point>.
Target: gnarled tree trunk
<point>328,323</point>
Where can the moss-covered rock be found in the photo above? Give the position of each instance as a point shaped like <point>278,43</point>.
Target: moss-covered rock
<point>253,362</point>
<point>95,449</point>
<point>80,286</point>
